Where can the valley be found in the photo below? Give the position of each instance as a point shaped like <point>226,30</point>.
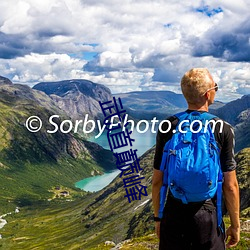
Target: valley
<point>38,171</point>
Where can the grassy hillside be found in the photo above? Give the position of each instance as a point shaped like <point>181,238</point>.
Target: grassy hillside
<point>78,224</point>
<point>87,222</point>
<point>242,130</point>
<point>243,175</point>
<point>33,163</point>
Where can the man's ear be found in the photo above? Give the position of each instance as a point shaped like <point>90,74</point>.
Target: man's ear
<point>207,95</point>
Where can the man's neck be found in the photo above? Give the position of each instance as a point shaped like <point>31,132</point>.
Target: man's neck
<point>203,107</point>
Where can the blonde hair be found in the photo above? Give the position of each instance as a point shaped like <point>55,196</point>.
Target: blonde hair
<point>195,83</point>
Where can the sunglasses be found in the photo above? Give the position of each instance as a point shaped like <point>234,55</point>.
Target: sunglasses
<point>216,87</point>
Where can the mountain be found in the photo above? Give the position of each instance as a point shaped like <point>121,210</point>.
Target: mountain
<point>31,164</point>
<point>237,114</point>
<point>4,80</point>
<point>232,110</point>
<point>77,97</point>
<point>84,222</point>
<point>149,104</point>
<point>216,105</point>
<point>135,219</point>
<point>242,130</point>
<point>243,174</point>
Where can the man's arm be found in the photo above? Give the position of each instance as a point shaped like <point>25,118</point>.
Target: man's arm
<point>156,187</point>
<point>231,195</point>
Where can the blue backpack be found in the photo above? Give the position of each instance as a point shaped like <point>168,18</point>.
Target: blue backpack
<point>191,162</point>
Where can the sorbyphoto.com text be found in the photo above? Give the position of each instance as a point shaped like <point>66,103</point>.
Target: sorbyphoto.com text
<point>87,126</point>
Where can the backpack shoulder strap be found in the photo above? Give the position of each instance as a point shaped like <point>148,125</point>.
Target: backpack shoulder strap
<point>182,115</point>
<point>208,116</point>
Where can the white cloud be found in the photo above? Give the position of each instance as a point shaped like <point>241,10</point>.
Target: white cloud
<point>140,44</point>
<point>34,68</point>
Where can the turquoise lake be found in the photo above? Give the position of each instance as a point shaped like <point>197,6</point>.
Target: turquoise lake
<point>142,143</point>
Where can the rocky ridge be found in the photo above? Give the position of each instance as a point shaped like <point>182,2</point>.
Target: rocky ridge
<point>77,97</point>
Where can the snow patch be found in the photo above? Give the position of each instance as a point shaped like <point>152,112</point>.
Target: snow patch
<point>143,203</point>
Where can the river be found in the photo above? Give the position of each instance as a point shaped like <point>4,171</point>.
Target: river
<point>142,143</point>
<point>3,222</point>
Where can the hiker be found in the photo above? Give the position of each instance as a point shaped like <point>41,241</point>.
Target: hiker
<point>188,224</point>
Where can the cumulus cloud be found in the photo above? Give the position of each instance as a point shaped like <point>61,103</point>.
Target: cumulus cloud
<point>34,68</point>
<point>140,45</point>
<point>231,45</point>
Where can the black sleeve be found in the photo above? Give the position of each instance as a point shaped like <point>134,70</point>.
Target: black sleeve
<point>226,143</point>
<point>161,140</point>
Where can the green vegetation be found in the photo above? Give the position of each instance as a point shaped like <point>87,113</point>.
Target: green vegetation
<point>243,175</point>
<point>244,235</point>
<point>150,242</point>
<point>49,225</point>
<point>31,184</point>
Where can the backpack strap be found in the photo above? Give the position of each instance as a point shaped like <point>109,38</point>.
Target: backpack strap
<point>182,115</point>
<point>164,188</point>
<point>164,169</point>
<point>208,116</point>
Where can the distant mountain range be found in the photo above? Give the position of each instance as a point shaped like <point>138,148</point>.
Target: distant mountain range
<point>147,104</point>
<point>80,97</point>
<point>159,104</point>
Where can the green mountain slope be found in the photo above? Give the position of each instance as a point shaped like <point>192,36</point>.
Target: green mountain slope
<point>243,175</point>
<point>78,224</point>
<point>33,163</point>
<point>88,222</point>
<point>242,130</point>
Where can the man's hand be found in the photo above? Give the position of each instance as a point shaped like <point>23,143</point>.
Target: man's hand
<point>156,187</point>
<point>232,200</point>
<point>233,236</point>
<point>157,228</point>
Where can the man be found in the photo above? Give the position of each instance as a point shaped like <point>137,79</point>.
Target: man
<point>194,225</point>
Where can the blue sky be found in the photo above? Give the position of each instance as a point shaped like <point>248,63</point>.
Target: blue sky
<point>126,45</point>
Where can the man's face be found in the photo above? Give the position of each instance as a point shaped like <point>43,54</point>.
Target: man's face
<point>211,93</point>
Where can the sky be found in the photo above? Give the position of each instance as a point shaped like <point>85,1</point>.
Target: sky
<point>127,45</point>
